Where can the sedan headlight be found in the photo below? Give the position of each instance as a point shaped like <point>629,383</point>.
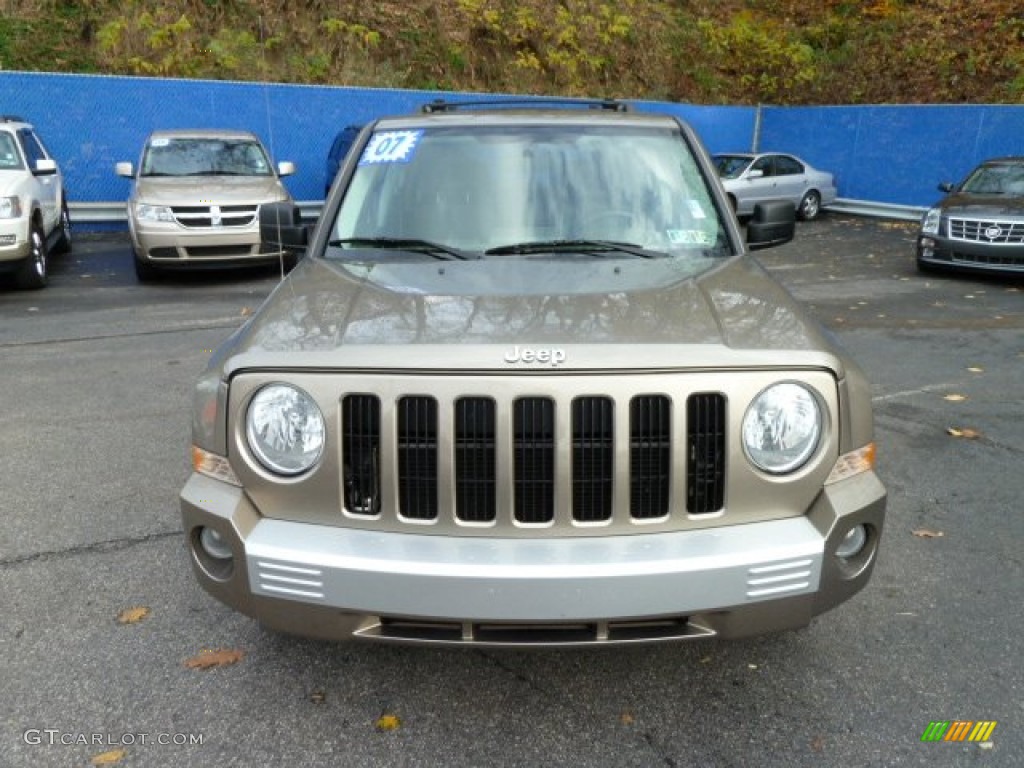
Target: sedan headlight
<point>285,429</point>
<point>10,208</point>
<point>930,221</point>
<point>145,212</point>
<point>781,428</point>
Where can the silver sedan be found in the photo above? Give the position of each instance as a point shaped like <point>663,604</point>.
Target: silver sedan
<point>751,178</point>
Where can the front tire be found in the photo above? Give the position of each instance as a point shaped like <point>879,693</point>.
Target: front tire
<point>63,244</point>
<point>810,206</point>
<point>32,274</point>
<point>145,272</point>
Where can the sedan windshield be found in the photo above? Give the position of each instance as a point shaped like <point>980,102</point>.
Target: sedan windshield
<point>204,157</point>
<point>731,166</point>
<point>534,191</point>
<point>1003,179</point>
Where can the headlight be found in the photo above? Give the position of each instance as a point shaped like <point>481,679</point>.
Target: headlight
<point>146,212</point>
<point>781,428</point>
<point>930,221</point>
<point>285,429</point>
<point>10,208</point>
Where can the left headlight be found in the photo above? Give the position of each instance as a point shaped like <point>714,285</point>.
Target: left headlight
<point>285,429</point>
<point>781,428</point>
<point>930,221</point>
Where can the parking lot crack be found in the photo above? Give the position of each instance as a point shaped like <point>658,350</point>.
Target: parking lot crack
<point>111,545</point>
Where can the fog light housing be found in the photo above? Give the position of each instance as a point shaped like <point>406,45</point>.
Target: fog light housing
<point>214,545</point>
<point>853,542</point>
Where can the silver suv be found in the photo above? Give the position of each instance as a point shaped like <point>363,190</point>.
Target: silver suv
<point>34,220</point>
<point>196,200</point>
<point>529,387</point>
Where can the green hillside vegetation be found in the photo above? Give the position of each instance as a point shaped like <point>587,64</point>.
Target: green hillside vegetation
<point>732,52</point>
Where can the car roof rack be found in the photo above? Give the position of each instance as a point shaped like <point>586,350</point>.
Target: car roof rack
<point>11,119</point>
<point>610,105</point>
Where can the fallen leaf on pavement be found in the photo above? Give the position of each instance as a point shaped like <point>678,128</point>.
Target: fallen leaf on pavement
<point>317,697</point>
<point>108,758</point>
<point>219,658</point>
<point>955,398</point>
<point>388,722</point>
<point>246,311</point>
<point>964,432</point>
<point>925,533</point>
<point>975,369</point>
<point>132,615</point>
<point>627,718</point>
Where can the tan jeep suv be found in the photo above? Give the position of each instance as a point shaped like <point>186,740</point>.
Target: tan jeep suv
<point>196,200</point>
<point>528,387</point>
<point>34,219</point>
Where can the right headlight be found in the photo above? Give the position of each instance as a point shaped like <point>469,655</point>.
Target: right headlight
<point>146,212</point>
<point>10,208</point>
<point>930,221</point>
<point>781,428</point>
<point>285,429</point>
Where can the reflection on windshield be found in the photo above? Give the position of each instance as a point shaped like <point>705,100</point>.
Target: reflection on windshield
<point>9,157</point>
<point>204,157</point>
<point>996,180</point>
<point>489,189</point>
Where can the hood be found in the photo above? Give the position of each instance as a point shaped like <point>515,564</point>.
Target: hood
<point>502,314</point>
<point>193,190</point>
<point>984,206</point>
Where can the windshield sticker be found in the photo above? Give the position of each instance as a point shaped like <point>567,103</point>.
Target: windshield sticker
<point>689,237</point>
<point>391,147</point>
<point>159,142</point>
<point>696,210</point>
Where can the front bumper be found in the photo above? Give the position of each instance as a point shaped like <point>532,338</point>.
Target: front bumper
<point>14,243</point>
<point>342,583</point>
<point>938,251</point>
<point>170,245</point>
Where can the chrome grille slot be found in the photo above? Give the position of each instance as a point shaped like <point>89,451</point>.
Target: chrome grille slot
<point>650,456</point>
<point>533,435</point>
<point>705,459</point>
<point>417,457</point>
<point>593,452</point>
<point>360,449</point>
<point>475,467</point>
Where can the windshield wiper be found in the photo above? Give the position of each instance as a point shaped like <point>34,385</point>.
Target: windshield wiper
<point>586,246</point>
<point>404,244</point>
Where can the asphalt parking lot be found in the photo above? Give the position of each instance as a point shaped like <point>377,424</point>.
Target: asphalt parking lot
<point>96,374</point>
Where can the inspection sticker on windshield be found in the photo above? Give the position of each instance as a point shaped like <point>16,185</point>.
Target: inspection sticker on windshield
<point>689,237</point>
<point>391,147</point>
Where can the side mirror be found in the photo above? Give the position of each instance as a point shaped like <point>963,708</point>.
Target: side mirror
<point>947,186</point>
<point>281,227</point>
<point>773,223</point>
<point>285,168</point>
<point>124,169</point>
<point>45,167</point>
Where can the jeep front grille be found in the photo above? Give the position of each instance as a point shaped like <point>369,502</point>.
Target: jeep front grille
<point>586,448</point>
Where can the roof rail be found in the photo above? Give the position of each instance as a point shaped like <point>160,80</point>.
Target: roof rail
<point>11,119</point>
<point>611,105</point>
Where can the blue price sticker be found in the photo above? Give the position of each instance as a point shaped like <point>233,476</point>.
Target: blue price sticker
<point>391,147</point>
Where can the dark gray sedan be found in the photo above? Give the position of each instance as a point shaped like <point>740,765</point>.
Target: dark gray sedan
<point>979,225</point>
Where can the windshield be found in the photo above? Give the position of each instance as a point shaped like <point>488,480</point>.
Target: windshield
<point>1005,179</point>
<point>204,157</point>
<point>10,159</point>
<point>731,166</point>
<point>507,191</point>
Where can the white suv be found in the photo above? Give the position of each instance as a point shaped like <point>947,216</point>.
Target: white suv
<point>34,218</point>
